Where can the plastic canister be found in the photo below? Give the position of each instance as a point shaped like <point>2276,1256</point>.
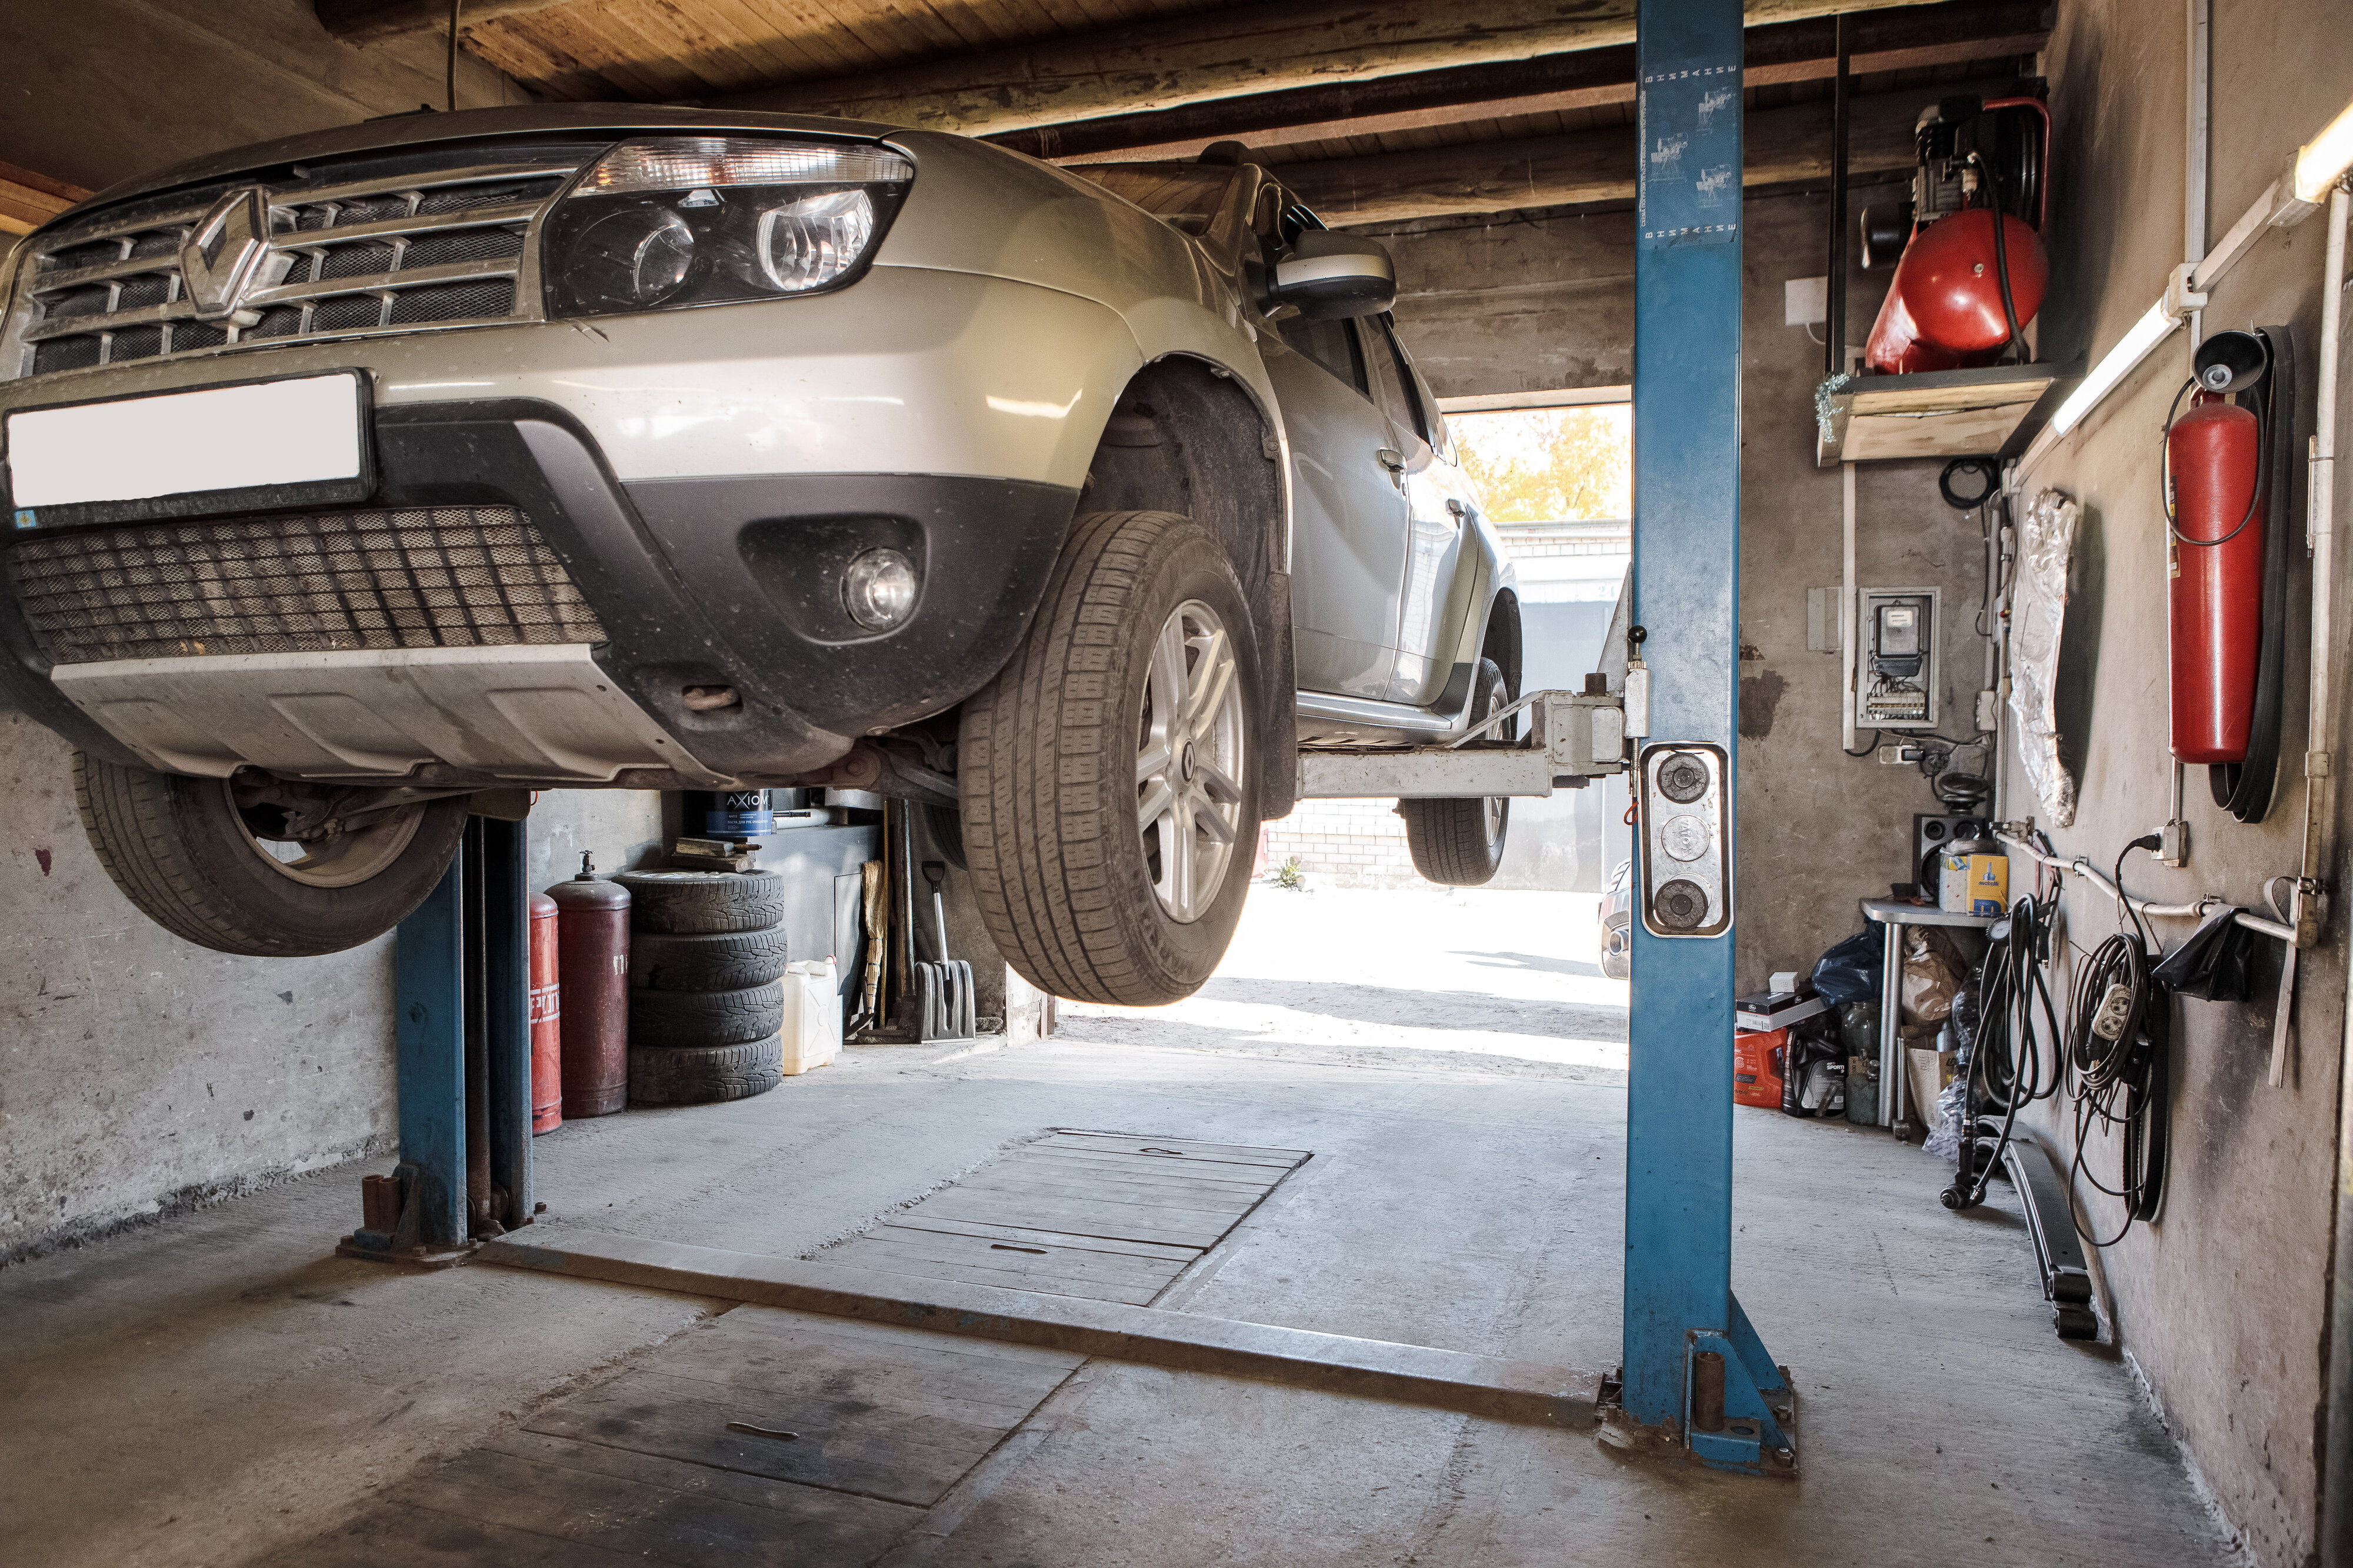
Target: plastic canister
<point>591,952</point>
<point>812,1030</point>
<point>1759,1057</point>
<point>739,814</point>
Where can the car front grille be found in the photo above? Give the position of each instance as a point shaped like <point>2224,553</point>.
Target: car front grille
<point>451,576</point>
<point>356,246</point>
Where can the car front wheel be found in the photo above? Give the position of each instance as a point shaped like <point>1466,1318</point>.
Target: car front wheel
<point>1108,773</point>
<point>220,871</point>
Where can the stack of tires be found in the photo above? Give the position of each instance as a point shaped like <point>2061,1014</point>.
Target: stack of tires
<point>706,955</point>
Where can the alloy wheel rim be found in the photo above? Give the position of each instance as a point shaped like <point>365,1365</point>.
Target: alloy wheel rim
<point>1189,761</point>
<point>341,860</point>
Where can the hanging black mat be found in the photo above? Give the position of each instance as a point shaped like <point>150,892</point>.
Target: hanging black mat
<point>2213,963</point>
<point>2245,789</point>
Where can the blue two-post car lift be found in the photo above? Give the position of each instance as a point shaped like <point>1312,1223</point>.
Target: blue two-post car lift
<point>1695,1375</point>
<point>461,1001</point>
<point>1697,1381</point>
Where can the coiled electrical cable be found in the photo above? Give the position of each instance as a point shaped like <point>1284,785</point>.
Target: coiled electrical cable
<point>2119,1080</point>
<point>1988,473</point>
<point>2007,1067</point>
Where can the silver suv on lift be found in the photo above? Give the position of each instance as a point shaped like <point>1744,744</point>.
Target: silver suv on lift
<point>571,447</point>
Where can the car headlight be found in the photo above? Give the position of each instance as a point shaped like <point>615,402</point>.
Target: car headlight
<point>670,221</point>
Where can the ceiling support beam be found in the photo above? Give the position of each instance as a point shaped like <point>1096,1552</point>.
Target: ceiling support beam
<point>1904,39</point>
<point>1779,146</point>
<point>1244,49</point>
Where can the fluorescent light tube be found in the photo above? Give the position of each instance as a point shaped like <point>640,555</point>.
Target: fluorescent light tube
<point>2320,161</point>
<point>2134,347</point>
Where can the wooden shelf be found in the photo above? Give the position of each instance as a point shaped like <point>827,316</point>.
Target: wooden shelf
<point>1936,414</point>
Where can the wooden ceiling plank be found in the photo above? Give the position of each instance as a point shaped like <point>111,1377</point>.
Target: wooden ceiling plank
<point>695,45</point>
<point>1955,37</point>
<point>780,50</point>
<point>587,38</point>
<point>1781,146</point>
<point>538,65</point>
<point>822,31</point>
<point>373,21</point>
<point>1248,49</point>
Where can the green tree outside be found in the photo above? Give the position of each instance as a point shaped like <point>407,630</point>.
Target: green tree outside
<point>1551,465</point>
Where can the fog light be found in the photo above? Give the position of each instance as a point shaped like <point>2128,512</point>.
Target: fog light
<point>878,589</point>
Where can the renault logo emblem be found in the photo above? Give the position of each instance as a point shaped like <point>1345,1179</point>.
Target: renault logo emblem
<point>221,261</point>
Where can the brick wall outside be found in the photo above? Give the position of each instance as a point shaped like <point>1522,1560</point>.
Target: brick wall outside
<point>1344,843</point>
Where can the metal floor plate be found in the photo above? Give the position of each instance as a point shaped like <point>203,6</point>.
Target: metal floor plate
<point>1108,1216</point>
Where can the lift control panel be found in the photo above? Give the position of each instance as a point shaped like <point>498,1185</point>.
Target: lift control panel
<point>1686,885</point>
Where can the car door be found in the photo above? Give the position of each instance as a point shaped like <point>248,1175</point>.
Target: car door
<point>1439,505</point>
<point>1348,508</point>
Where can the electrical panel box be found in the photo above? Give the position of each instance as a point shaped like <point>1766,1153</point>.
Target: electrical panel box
<point>1897,671</point>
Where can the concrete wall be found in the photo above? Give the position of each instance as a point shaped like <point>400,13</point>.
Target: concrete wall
<point>100,90</point>
<point>2221,1301</point>
<point>138,1073</point>
<point>1537,304</point>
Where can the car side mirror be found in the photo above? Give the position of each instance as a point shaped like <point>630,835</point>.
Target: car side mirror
<point>1332,276</point>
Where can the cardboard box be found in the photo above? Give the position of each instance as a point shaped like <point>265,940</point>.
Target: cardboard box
<point>1975,884</point>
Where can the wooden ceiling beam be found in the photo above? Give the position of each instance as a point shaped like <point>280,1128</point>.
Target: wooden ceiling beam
<point>1933,35</point>
<point>1779,146</point>
<point>373,21</point>
<point>1240,51</point>
<point>28,200</point>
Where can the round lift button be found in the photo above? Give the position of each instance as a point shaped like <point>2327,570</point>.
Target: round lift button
<point>1682,778</point>
<point>1685,837</point>
<point>1681,905</point>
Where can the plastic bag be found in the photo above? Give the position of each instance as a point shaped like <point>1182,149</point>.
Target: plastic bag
<point>1932,969</point>
<point>1850,971</point>
<point>1944,1139</point>
<point>1965,1014</point>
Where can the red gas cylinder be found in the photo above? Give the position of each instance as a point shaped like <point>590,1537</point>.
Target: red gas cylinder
<point>546,1015</point>
<point>592,944</point>
<point>1942,309</point>
<point>2216,599</point>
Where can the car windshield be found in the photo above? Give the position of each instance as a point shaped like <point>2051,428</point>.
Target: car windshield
<point>1185,196</point>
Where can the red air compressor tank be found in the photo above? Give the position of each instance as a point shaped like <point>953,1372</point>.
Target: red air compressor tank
<point>546,1026</point>
<point>2215,601</point>
<point>592,947</point>
<point>1942,309</point>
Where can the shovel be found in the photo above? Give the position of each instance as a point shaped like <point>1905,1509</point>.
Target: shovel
<point>946,986</point>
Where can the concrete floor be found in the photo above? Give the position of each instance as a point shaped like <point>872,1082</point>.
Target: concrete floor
<point>220,1386</point>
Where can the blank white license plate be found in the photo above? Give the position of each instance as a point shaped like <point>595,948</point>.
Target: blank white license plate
<point>301,431</point>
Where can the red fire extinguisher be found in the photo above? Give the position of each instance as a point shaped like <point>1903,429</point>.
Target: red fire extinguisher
<point>592,941</point>
<point>546,1021</point>
<point>2213,462</point>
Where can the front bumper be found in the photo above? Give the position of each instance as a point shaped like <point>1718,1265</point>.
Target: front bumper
<point>725,580</point>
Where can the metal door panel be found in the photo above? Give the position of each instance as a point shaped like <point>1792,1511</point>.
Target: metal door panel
<point>1348,528</point>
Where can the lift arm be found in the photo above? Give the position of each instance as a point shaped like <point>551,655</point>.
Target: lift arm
<point>1573,736</point>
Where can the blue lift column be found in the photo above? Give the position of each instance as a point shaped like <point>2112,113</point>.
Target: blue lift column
<point>462,1033</point>
<point>1697,1379</point>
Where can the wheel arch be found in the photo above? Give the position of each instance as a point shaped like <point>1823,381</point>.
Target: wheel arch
<point>1190,435</point>
<point>1503,639</point>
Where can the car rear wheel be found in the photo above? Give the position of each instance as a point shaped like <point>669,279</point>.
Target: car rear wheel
<point>1108,772</point>
<point>1459,842</point>
<point>222,875</point>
